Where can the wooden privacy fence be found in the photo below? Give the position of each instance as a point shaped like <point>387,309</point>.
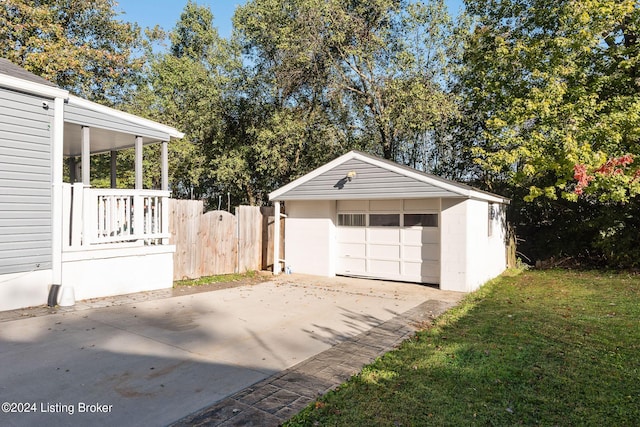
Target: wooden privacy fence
<point>218,242</point>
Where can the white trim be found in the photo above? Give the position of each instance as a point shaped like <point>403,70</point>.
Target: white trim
<point>32,87</point>
<point>459,189</point>
<point>56,190</point>
<point>83,103</point>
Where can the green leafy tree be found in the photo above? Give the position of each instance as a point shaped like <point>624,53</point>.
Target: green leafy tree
<point>189,87</point>
<point>374,70</point>
<point>81,46</point>
<point>550,100</point>
<point>553,92</point>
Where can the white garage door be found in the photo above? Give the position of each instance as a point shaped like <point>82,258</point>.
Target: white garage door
<point>389,239</point>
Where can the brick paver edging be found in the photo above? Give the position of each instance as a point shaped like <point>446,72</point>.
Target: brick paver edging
<point>274,400</point>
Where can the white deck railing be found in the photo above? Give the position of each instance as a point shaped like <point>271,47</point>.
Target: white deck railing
<point>118,217</point>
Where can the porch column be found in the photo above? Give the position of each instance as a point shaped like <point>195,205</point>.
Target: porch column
<point>276,238</point>
<point>114,168</point>
<point>138,163</point>
<point>87,208</point>
<point>164,160</point>
<point>86,156</point>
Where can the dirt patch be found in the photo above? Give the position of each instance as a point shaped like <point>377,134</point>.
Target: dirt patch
<point>260,277</point>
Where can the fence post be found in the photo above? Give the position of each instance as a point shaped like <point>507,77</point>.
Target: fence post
<point>276,238</point>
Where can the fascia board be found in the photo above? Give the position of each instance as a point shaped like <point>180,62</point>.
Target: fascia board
<point>83,103</point>
<point>33,88</point>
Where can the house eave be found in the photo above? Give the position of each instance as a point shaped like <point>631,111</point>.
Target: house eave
<point>33,88</point>
<point>83,103</point>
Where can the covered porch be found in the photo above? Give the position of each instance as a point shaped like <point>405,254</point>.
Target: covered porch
<point>114,240</point>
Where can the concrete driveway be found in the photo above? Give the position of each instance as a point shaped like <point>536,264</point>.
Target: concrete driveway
<point>154,362</point>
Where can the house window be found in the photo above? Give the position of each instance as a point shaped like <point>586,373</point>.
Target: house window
<point>352,220</point>
<point>423,220</point>
<point>384,220</point>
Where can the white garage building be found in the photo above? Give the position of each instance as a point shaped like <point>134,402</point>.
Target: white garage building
<point>363,216</point>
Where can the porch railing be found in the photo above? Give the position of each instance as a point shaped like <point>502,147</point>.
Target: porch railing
<point>98,217</point>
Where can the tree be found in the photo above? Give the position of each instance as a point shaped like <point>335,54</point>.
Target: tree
<point>188,87</point>
<point>555,92</point>
<point>79,45</point>
<point>375,71</point>
<point>550,99</point>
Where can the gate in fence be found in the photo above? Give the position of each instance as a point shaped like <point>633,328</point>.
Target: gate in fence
<point>218,242</point>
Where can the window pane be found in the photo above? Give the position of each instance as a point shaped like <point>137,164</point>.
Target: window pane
<point>384,220</point>
<point>352,220</point>
<point>424,220</point>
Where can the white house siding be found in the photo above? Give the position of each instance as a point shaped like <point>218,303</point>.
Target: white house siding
<point>310,237</point>
<point>25,199</point>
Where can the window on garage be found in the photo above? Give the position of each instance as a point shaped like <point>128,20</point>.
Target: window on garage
<point>424,220</point>
<point>384,220</point>
<point>352,220</point>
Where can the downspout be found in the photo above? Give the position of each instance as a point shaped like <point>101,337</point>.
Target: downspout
<point>56,204</point>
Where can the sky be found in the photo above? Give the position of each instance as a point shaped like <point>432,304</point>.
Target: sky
<point>148,13</point>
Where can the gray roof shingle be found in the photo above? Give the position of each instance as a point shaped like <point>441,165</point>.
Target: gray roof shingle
<point>10,69</point>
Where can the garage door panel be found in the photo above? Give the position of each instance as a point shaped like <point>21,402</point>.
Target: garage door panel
<point>384,251</point>
<point>352,205</point>
<point>384,235</point>
<point>384,268</point>
<point>421,269</point>
<point>417,235</point>
<point>385,205</point>
<point>351,234</point>
<point>357,250</point>
<point>353,265</point>
<point>430,235</point>
<point>421,252</point>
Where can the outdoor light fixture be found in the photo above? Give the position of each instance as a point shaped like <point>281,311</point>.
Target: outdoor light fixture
<point>351,175</point>
<point>492,212</point>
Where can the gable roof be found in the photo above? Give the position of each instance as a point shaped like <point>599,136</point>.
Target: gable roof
<point>374,178</point>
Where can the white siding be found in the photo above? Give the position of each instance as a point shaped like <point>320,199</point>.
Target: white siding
<point>25,183</point>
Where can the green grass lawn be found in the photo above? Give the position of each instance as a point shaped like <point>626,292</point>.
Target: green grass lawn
<point>539,348</point>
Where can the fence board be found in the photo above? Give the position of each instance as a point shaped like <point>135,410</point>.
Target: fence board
<point>184,226</point>
<point>249,238</point>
